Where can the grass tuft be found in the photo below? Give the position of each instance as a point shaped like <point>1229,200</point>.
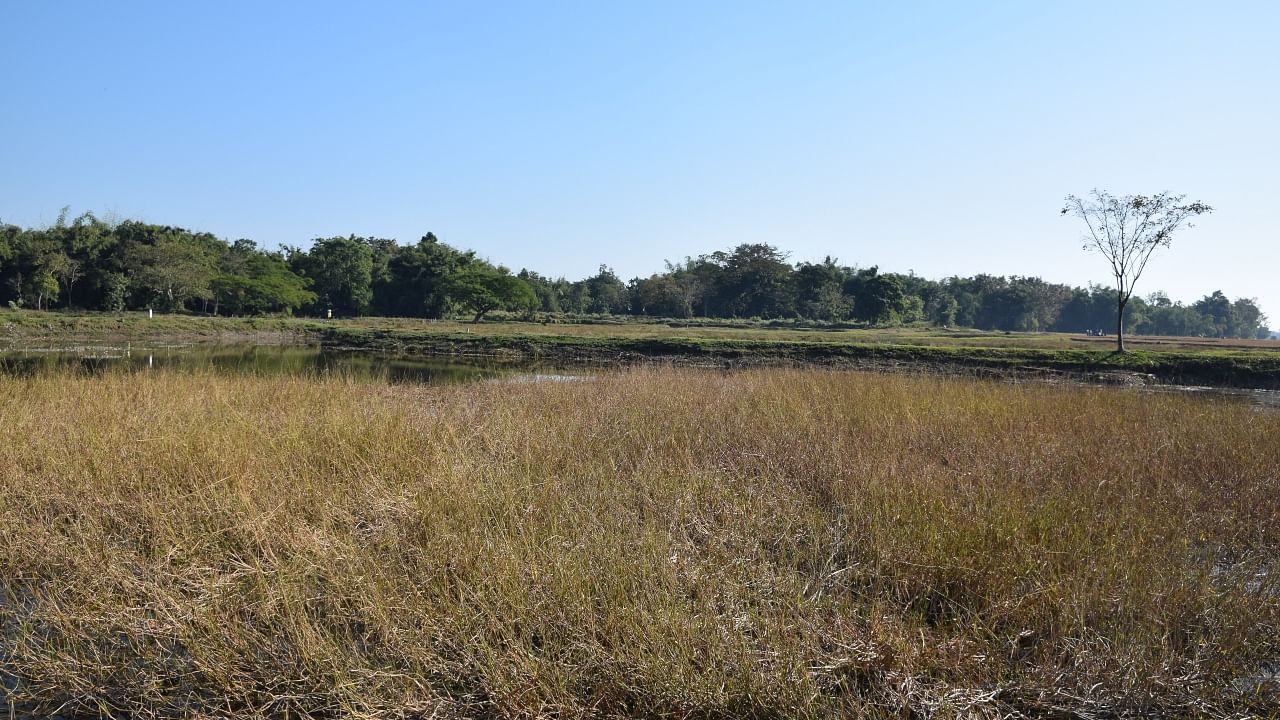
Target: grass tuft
<point>652,542</point>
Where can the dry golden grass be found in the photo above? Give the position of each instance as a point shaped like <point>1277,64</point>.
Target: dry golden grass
<point>648,543</point>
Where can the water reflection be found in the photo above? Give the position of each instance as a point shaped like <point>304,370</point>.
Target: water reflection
<point>1261,400</point>
<point>250,360</point>
<point>313,361</point>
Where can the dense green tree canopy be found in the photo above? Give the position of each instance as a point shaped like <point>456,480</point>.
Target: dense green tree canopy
<point>820,290</point>
<point>659,295</point>
<point>482,289</point>
<point>413,280</point>
<point>341,273</point>
<point>255,283</point>
<point>87,263</point>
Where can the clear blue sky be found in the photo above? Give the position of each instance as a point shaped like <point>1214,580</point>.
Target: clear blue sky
<point>931,137</point>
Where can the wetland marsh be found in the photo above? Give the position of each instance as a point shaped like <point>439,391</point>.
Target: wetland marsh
<point>657,542</point>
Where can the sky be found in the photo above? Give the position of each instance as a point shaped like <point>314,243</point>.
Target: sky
<point>932,137</point>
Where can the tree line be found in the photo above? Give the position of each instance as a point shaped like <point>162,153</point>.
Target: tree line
<point>88,263</point>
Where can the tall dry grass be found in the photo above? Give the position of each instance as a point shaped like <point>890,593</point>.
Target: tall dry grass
<point>649,543</point>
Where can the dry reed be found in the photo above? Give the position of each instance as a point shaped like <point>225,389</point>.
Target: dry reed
<point>655,542</point>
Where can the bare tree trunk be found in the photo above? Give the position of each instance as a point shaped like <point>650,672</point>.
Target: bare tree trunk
<point>1120,326</point>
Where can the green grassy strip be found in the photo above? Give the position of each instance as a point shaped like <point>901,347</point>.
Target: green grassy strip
<point>57,326</point>
<point>1239,369</point>
<point>1251,368</point>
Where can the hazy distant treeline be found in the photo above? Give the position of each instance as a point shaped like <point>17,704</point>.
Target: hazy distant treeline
<point>90,264</point>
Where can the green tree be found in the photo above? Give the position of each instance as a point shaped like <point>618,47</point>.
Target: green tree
<point>699,280</point>
<point>606,293</point>
<point>820,291</point>
<point>1216,308</point>
<point>756,281</point>
<point>9,235</point>
<point>42,285</point>
<point>341,273</point>
<point>414,279</point>
<point>1026,304</point>
<point>1249,320</point>
<point>941,309</point>
<point>877,298</point>
<point>482,289</point>
<point>1225,318</point>
<point>658,296</point>
<point>1165,317</point>
<point>549,291</point>
<point>30,273</point>
<point>258,283</point>
<point>176,268</point>
<point>1089,309</point>
<point>85,244</point>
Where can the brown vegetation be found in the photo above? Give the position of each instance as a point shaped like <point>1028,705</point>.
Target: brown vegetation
<point>652,542</point>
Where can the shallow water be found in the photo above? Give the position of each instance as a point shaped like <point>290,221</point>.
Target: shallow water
<point>1261,400</point>
<point>314,361</point>
<point>256,360</point>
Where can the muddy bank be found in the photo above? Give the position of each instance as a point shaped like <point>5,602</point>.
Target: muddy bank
<point>1210,368</point>
<point>63,342</point>
<point>1252,370</point>
<point>29,330</point>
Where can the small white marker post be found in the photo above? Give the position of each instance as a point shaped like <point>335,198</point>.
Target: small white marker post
<point>150,313</point>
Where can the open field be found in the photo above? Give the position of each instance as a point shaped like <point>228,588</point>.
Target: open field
<point>30,325</point>
<point>650,542</point>
<point>1239,363</point>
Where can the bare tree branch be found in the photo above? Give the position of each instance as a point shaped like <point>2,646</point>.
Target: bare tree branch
<point>1126,231</point>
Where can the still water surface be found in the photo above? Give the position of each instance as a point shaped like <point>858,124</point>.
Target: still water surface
<point>256,360</point>
<point>313,361</point>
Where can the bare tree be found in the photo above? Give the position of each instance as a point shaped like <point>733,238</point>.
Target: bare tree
<point>1126,231</point>
<point>68,271</point>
